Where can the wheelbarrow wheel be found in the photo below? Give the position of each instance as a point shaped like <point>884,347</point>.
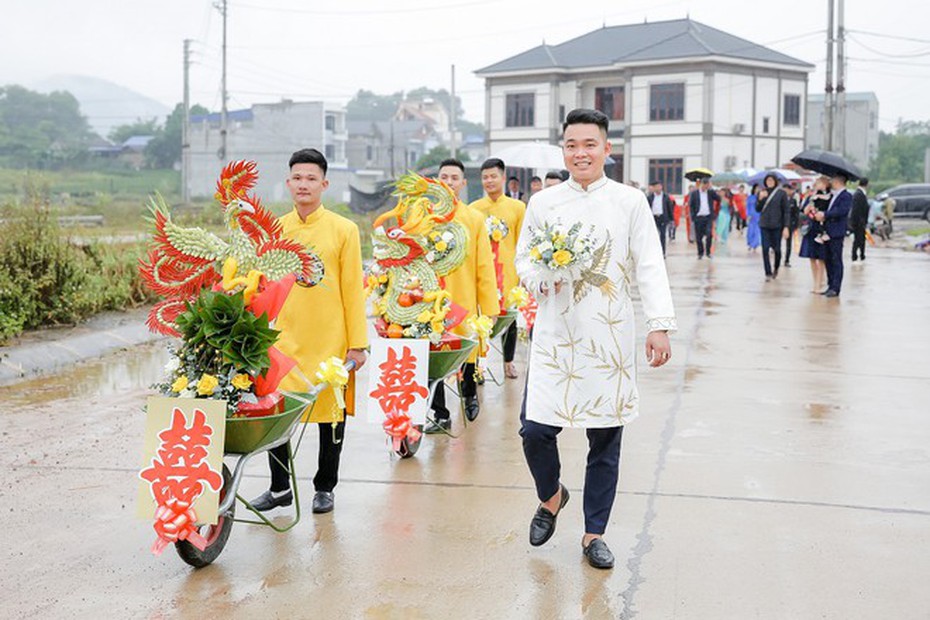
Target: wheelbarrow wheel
<point>216,535</point>
<point>407,447</point>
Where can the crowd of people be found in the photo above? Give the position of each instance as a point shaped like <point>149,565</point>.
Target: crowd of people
<point>785,219</point>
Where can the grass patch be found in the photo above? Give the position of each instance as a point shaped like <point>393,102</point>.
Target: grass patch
<point>919,231</point>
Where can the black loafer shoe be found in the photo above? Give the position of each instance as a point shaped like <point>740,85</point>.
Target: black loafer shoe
<point>598,554</point>
<point>542,527</point>
<point>831,294</point>
<point>471,408</point>
<point>266,501</point>
<point>323,501</point>
<point>439,425</point>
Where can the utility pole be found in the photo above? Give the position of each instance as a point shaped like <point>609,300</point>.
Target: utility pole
<point>452,115</point>
<point>186,128</point>
<point>224,113</point>
<point>828,96</point>
<point>839,121</point>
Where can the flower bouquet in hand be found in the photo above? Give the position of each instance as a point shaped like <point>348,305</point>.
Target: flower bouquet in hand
<point>559,253</point>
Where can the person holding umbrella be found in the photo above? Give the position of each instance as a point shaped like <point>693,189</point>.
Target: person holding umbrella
<point>702,203</point>
<point>835,220</point>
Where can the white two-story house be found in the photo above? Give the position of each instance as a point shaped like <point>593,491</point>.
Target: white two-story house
<point>679,95</point>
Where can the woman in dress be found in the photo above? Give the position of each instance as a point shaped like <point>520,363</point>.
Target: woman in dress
<point>753,232</point>
<point>811,248</point>
<point>724,217</point>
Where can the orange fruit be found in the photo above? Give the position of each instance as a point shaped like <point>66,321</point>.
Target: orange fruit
<point>395,331</point>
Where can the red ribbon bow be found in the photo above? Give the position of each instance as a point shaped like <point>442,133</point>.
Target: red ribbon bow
<point>398,426</point>
<point>175,520</point>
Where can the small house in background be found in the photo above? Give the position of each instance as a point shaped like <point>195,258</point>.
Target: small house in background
<point>679,95</point>
<point>132,151</point>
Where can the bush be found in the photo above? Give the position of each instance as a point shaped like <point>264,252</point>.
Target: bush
<point>47,280</point>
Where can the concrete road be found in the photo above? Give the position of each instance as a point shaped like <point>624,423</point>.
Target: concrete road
<point>780,469</point>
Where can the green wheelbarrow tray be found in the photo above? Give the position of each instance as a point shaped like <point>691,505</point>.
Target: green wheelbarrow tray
<point>246,435</point>
<point>442,363</point>
<point>503,323</point>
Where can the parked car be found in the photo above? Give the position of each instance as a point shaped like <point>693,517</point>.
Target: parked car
<point>910,200</point>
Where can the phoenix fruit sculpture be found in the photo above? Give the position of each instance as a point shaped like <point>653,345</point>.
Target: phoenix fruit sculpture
<point>182,261</point>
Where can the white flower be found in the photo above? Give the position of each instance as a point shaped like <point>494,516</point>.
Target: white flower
<point>188,393</point>
<point>430,256</point>
<point>173,364</point>
<point>447,236</point>
<point>545,246</point>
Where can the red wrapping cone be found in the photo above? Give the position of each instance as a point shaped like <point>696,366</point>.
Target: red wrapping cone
<point>280,366</point>
<point>272,298</point>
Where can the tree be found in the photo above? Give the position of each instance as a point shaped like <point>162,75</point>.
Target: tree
<point>40,130</point>
<point>901,154</point>
<point>121,133</point>
<point>436,155</point>
<point>368,106</point>
<point>165,148</point>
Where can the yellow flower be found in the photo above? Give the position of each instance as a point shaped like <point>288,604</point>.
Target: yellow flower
<point>180,384</point>
<point>442,246</point>
<point>535,254</point>
<point>558,238</point>
<point>382,279</point>
<point>242,382</point>
<point>496,235</point>
<point>562,257</point>
<point>425,317</point>
<point>207,385</point>
<point>518,297</point>
<point>438,326</point>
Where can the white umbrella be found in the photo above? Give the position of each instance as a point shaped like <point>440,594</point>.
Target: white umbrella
<point>537,155</point>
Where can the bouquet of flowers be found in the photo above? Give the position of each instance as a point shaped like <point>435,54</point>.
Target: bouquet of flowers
<point>559,253</point>
<point>497,228</point>
<point>224,353</point>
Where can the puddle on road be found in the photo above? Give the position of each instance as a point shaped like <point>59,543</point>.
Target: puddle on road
<point>121,372</point>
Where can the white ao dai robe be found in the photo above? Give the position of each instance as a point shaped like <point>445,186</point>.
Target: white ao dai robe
<point>582,366</point>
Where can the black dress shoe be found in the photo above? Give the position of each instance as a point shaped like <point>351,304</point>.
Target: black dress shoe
<point>266,501</point>
<point>598,554</point>
<point>323,501</point>
<point>831,294</point>
<point>542,527</point>
<point>471,408</point>
<point>439,425</point>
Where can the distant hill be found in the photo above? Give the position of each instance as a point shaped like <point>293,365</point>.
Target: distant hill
<point>105,104</point>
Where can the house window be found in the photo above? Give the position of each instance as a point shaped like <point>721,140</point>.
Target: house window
<point>610,101</point>
<point>669,172</point>
<point>871,120</point>
<point>792,115</point>
<point>765,124</point>
<point>330,122</point>
<point>330,151</point>
<point>667,102</point>
<point>369,153</point>
<point>521,110</point>
<point>561,114</point>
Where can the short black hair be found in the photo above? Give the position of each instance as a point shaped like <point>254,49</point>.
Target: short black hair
<point>864,182</point>
<point>565,174</point>
<point>585,116</point>
<point>309,156</point>
<point>493,162</point>
<point>842,175</point>
<point>552,174</point>
<point>451,161</point>
<point>509,179</point>
<point>535,179</point>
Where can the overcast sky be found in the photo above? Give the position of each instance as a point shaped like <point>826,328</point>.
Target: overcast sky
<point>308,50</point>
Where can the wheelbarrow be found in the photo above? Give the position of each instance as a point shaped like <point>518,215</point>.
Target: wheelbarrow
<point>247,437</point>
<point>442,364</point>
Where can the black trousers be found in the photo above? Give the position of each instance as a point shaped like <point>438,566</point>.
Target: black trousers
<point>788,243</point>
<point>327,473</point>
<point>467,387</point>
<point>858,243</point>
<point>834,264</point>
<point>771,240</point>
<point>661,225</point>
<point>510,342</point>
<point>703,225</point>
<point>540,447</point>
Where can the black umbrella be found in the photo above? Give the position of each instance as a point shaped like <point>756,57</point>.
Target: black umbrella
<point>827,163</point>
<point>696,174</point>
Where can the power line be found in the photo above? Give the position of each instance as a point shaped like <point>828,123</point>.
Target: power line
<point>888,36</point>
<point>888,55</point>
<point>421,9</point>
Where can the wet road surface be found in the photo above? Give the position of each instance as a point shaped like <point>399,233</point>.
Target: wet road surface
<point>780,469</point>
